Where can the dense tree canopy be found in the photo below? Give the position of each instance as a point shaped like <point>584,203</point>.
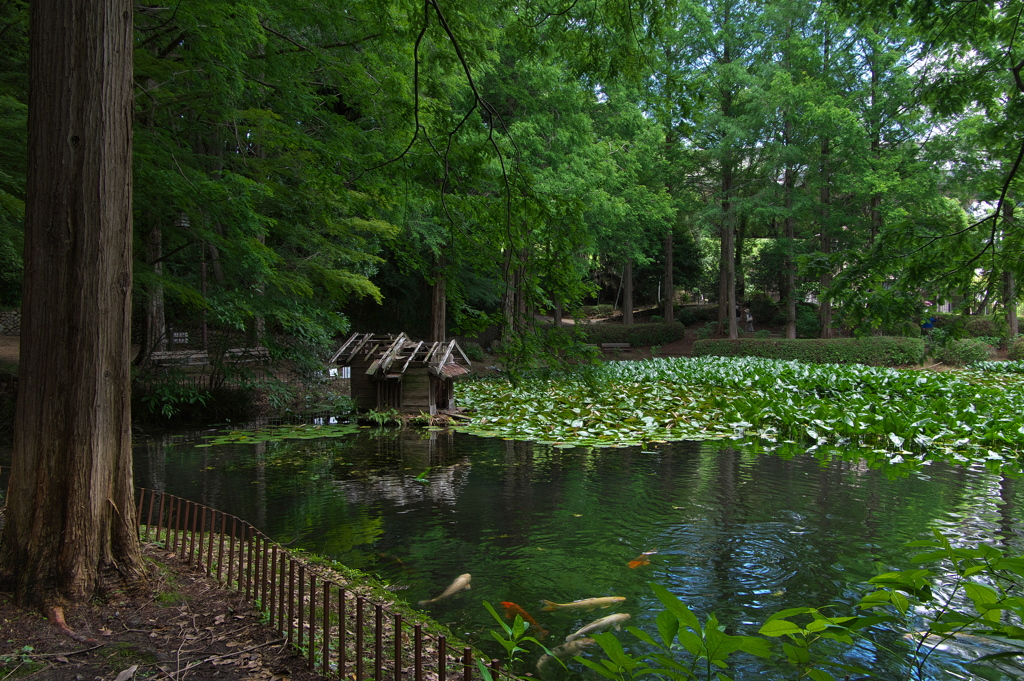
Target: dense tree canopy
<point>303,168</point>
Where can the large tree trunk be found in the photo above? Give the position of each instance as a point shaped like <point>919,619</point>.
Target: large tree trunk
<point>1009,283</point>
<point>627,293</point>
<point>670,286</point>
<point>790,234</point>
<point>156,325</point>
<point>438,303</point>
<point>70,526</point>
<point>729,249</point>
<point>825,198</point>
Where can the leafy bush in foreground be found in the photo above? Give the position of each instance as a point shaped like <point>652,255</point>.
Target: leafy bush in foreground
<point>1016,350</point>
<point>873,351</point>
<point>963,352</point>
<point>976,602</point>
<point>1013,367</point>
<point>634,334</point>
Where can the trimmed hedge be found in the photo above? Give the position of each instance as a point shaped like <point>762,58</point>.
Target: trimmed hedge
<point>874,351</point>
<point>635,334</point>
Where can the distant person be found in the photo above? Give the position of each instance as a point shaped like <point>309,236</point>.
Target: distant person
<point>929,321</point>
<point>749,319</point>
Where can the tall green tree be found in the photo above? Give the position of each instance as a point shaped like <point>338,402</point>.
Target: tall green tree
<point>70,530</point>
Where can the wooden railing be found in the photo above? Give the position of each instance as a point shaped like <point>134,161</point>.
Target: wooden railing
<point>341,634</point>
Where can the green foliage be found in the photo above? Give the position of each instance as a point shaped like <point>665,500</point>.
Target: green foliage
<point>167,398</point>
<point>382,417</point>
<point>808,324</point>
<point>602,310</point>
<point>304,431</point>
<point>873,350</point>
<point>512,637</point>
<point>657,333</point>
<point>19,663</point>
<point>685,316</point>
<point>707,646</point>
<point>1015,351</point>
<point>765,310</point>
<point>899,420</point>
<point>1010,367</point>
<point>473,351</point>
<point>979,602</point>
<point>706,331</point>
<point>963,351</point>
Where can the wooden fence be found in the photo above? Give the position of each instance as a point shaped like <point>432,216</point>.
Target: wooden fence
<point>341,634</point>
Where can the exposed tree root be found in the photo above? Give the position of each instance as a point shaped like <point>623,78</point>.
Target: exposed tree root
<point>56,616</point>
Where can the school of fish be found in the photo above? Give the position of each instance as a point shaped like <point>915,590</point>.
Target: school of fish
<point>574,642</point>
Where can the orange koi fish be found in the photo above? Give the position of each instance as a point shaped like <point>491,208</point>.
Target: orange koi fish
<point>641,559</point>
<point>511,610</point>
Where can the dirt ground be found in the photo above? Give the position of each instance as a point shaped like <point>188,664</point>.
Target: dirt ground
<point>183,627</point>
<point>9,349</point>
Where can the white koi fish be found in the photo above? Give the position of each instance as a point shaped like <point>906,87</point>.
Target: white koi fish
<point>587,604</point>
<point>615,620</point>
<point>461,583</point>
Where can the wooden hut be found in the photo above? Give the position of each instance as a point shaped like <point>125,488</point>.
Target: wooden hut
<point>399,373</point>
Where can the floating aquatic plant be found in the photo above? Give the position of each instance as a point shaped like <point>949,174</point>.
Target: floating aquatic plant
<point>897,417</point>
<point>302,431</point>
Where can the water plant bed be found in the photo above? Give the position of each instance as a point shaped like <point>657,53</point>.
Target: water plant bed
<point>899,419</point>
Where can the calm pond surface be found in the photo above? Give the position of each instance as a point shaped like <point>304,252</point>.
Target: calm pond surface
<point>738,534</point>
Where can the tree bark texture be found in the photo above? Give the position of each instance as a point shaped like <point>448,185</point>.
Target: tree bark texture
<point>825,198</point>
<point>70,525</point>
<point>156,325</point>
<point>790,234</point>
<point>670,286</point>
<point>627,293</point>
<point>438,303</point>
<point>1009,283</point>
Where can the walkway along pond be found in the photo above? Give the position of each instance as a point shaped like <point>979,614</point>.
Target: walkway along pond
<point>734,533</point>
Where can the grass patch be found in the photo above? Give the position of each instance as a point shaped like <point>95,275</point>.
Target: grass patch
<point>19,663</point>
<point>128,653</point>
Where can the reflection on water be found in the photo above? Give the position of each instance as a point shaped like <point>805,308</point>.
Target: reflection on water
<point>735,533</point>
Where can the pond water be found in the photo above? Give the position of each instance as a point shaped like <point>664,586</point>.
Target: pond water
<point>737,534</point>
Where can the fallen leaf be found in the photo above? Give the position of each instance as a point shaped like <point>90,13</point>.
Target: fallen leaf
<point>61,658</point>
<point>127,673</point>
<point>106,632</point>
<point>219,619</point>
<point>232,644</point>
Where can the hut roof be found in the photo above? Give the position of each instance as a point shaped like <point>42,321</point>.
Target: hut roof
<point>390,355</point>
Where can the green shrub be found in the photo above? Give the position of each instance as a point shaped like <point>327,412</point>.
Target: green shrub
<point>1016,350</point>
<point>656,319</point>
<point>602,310</point>
<point>971,326</point>
<point>686,315</point>
<point>963,351</point>
<point>473,351</point>
<point>981,326</point>
<point>762,334</point>
<point>874,351</point>
<point>706,331</point>
<point>692,314</point>
<point>808,325</point>
<point>634,334</point>
<point>907,327</point>
<point>765,310</point>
